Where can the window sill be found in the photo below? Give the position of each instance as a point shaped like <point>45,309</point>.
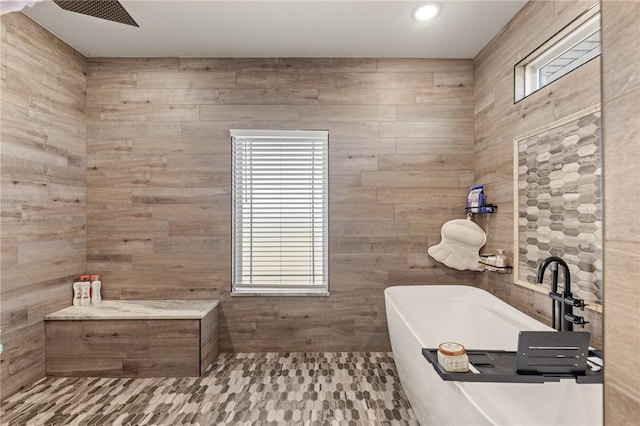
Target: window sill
<point>280,294</point>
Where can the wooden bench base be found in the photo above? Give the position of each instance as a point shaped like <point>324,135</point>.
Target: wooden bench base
<point>131,347</point>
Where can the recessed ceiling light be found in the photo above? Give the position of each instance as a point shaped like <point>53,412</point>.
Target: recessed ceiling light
<point>426,11</point>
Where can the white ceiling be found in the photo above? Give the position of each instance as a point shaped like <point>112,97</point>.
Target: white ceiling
<point>347,28</point>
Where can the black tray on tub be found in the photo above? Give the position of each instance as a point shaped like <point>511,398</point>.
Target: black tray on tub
<point>500,367</point>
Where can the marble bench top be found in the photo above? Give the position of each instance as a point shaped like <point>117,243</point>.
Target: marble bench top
<point>137,309</point>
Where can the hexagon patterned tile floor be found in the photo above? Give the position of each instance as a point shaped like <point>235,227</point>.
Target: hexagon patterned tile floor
<point>350,388</point>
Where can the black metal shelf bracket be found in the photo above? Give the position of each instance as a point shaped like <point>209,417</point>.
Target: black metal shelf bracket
<point>486,209</point>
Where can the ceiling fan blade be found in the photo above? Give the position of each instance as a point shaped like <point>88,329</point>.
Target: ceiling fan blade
<point>111,10</point>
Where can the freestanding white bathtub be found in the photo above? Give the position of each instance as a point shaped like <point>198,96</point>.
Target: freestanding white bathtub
<point>425,316</point>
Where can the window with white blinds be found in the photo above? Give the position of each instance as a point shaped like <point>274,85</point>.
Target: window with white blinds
<point>280,211</point>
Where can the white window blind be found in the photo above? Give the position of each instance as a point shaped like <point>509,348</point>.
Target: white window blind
<point>280,211</point>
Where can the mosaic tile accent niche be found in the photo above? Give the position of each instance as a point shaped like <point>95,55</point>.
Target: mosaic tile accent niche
<point>559,201</point>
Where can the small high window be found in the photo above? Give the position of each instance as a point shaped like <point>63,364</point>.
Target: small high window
<point>573,46</point>
<point>280,212</point>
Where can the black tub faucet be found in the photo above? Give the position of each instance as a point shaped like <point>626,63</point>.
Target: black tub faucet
<point>564,302</point>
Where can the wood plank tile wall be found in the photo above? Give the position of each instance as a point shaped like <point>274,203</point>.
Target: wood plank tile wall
<point>43,186</point>
<point>158,154</point>
<point>158,176</point>
<point>498,121</point>
<point>123,348</point>
<point>621,113</point>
